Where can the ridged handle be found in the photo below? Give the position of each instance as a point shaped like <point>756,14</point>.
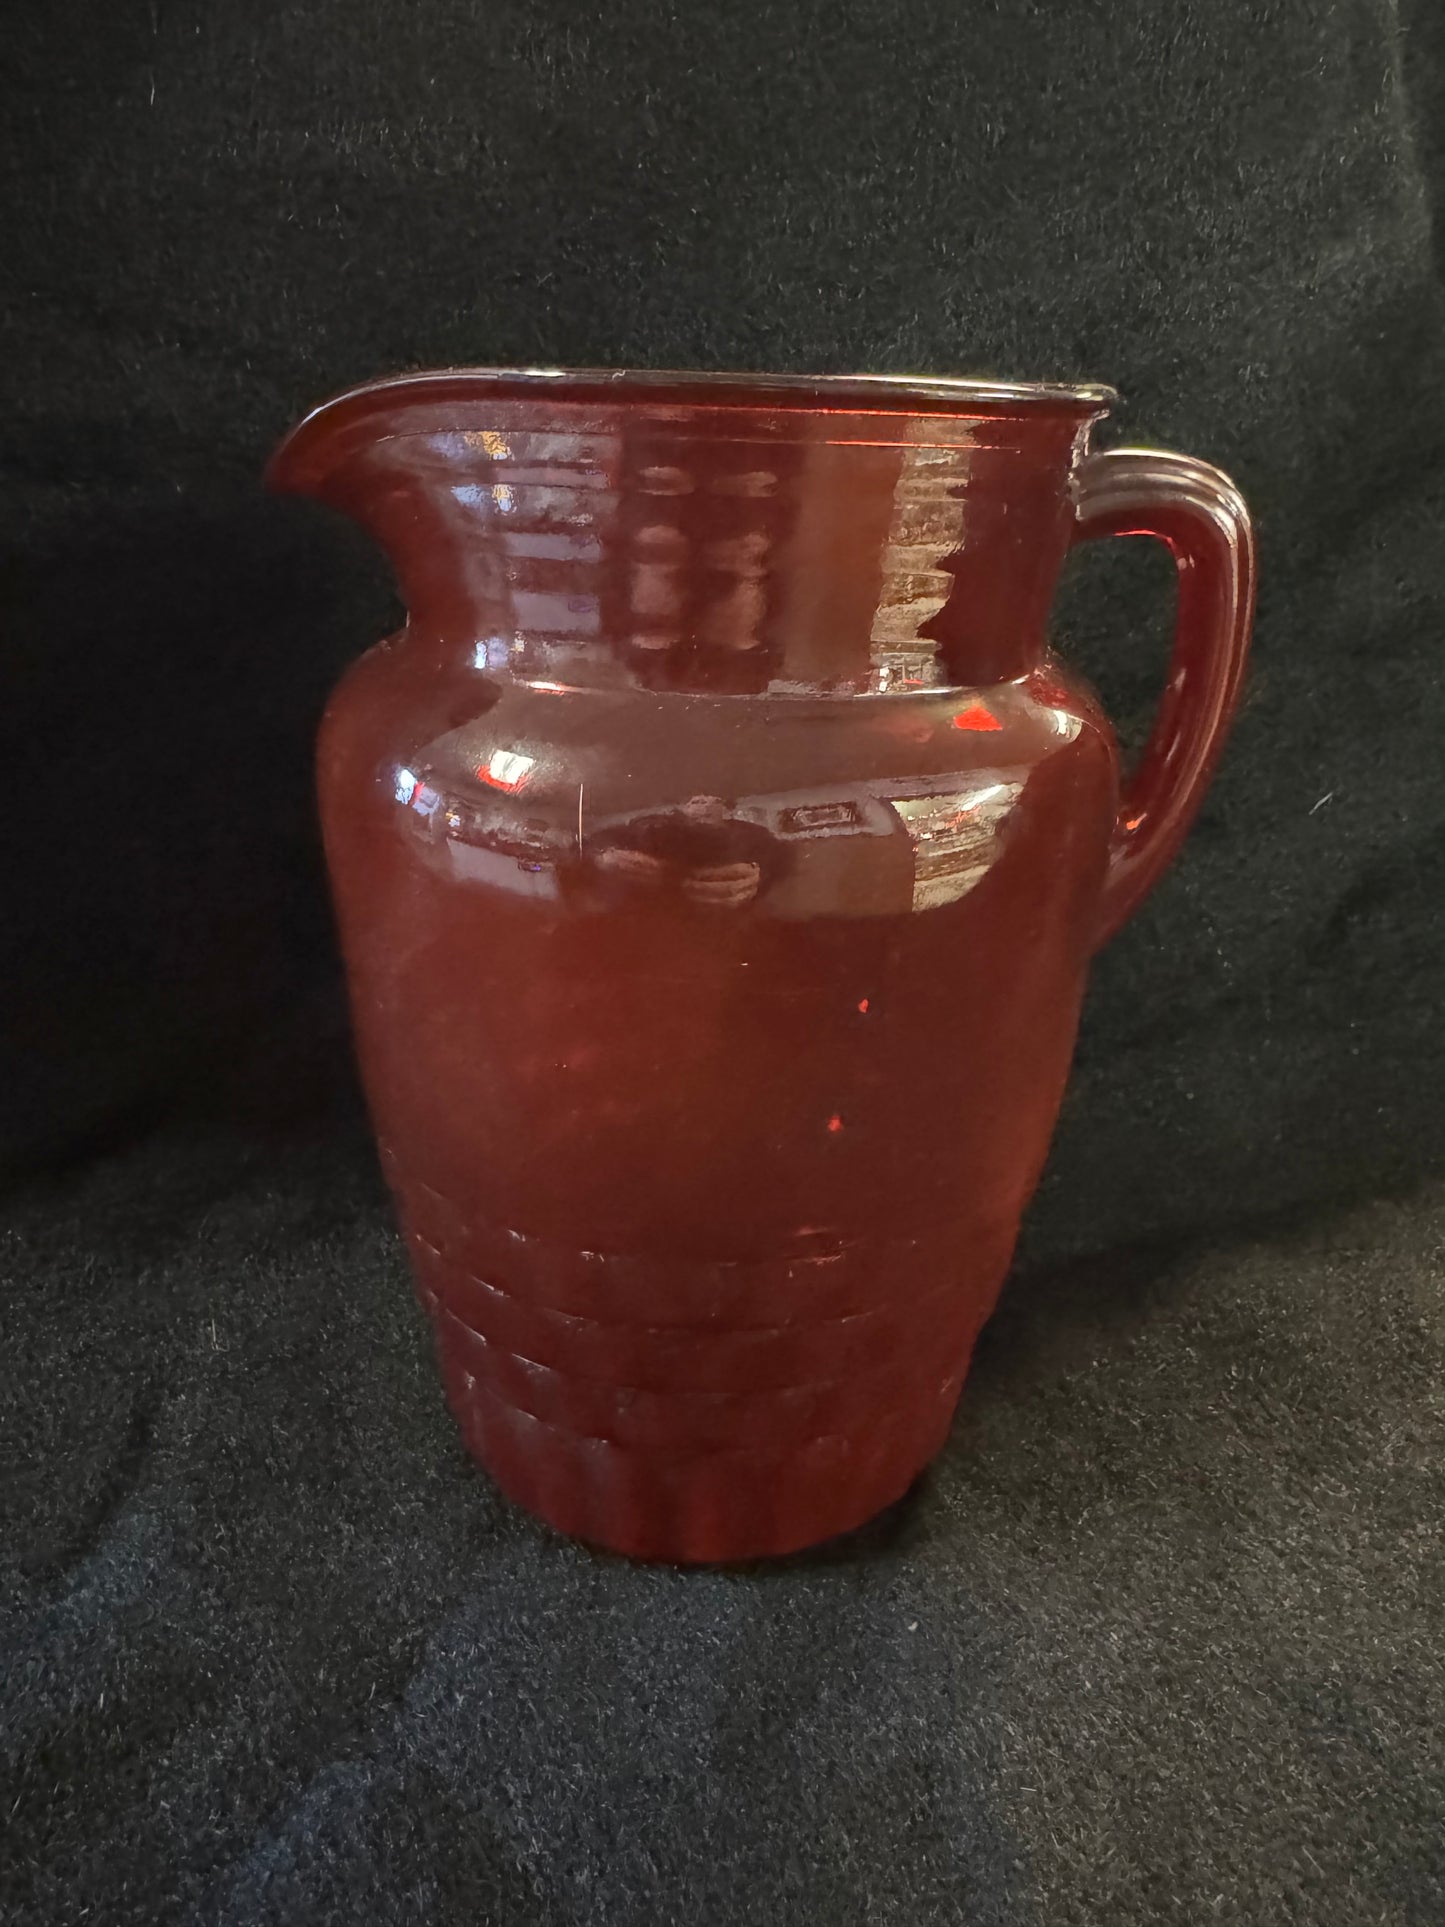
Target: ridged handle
<point>1201,515</point>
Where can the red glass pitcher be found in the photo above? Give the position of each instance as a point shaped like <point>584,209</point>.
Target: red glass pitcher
<point>718,853</point>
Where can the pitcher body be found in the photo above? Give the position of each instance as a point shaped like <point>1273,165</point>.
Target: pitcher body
<point>718,854</point>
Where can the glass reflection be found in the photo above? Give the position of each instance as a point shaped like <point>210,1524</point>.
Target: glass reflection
<point>925,527</point>
<point>955,837</point>
<point>498,815</point>
<point>506,769</point>
<point>706,852</point>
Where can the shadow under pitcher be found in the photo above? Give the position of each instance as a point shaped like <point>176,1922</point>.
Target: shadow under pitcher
<point>718,854</point>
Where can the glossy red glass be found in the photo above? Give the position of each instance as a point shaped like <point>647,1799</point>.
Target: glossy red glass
<point>718,853</point>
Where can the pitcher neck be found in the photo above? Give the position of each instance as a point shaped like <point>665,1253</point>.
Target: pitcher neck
<point>705,545</point>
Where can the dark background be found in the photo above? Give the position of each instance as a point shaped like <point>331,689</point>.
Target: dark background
<point>1161,1638</point>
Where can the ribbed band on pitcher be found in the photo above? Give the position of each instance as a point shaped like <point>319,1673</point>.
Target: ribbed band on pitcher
<point>774,1395</point>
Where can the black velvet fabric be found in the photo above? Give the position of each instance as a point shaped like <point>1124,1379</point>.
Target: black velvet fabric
<point>1162,1637</point>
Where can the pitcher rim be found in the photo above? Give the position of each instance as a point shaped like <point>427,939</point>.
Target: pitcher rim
<point>896,393</point>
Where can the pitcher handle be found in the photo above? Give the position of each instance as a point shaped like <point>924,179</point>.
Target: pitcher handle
<point>1201,515</point>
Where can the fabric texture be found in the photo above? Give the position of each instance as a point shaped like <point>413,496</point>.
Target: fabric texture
<point>1162,1636</point>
